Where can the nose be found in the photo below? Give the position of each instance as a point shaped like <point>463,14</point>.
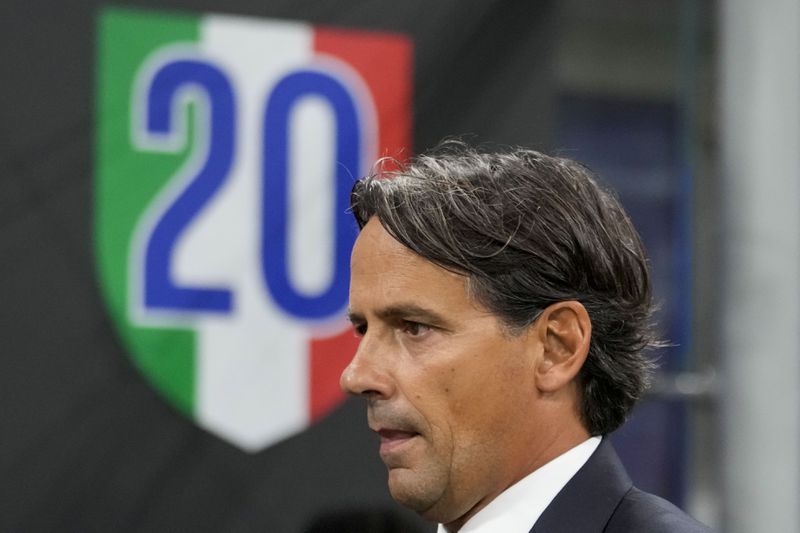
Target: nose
<point>366,374</point>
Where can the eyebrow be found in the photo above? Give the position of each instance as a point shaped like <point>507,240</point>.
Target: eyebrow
<point>407,311</point>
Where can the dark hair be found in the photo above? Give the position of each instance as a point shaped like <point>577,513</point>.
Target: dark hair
<point>529,230</point>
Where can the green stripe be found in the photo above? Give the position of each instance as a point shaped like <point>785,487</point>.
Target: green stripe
<point>126,181</point>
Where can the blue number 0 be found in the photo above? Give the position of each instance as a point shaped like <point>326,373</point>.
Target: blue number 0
<point>275,214</point>
<point>160,292</point>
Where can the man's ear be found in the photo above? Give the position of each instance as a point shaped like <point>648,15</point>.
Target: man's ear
<point>565,331</point>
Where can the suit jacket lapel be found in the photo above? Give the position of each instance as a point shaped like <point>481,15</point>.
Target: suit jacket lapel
<point>588,500</point>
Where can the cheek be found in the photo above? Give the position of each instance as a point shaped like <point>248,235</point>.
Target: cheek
<point>434,394</point>
<point>436,400</point>
<point>486,409</point>
<point>466,394</point>
<point>486,396</point>
<point>453,403</point>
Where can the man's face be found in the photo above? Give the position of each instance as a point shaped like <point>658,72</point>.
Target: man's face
<point>450,391</point>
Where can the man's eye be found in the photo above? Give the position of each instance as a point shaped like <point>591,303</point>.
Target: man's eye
<point>415,329</point>
<point>360,329</point>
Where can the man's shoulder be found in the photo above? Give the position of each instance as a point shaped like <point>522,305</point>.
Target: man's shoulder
<point>641,511</point>
<point>601,497</point>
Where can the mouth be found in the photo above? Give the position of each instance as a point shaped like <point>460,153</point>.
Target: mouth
<point>394,440</point>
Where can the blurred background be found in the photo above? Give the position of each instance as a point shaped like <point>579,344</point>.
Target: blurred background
<point>174,242</point>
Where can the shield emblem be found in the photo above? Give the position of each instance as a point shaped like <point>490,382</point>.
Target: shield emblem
<point>226,148</point>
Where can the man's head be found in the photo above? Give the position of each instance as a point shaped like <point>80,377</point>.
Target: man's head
<point>504,304</point>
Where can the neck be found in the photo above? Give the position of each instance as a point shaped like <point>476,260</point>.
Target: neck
<point>559,444</point>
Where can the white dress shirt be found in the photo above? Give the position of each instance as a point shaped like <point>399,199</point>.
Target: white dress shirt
<point>517,508</point>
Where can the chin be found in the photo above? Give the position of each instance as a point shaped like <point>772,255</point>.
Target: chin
<point>410,491</point>
<point>418,493</point>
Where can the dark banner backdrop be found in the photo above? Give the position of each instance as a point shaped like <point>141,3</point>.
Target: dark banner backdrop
<point>86,443</point>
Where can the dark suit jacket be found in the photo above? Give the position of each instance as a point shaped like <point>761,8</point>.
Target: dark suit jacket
<point>601,498</point>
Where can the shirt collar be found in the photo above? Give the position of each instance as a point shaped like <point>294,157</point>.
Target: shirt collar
<point>517,508</point>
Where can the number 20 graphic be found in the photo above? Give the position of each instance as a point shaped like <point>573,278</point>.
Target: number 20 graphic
<point>160,292</point>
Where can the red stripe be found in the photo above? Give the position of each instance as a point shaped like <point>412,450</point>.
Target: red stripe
<point>384,62</point>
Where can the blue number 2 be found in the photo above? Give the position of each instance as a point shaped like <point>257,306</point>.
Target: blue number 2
<point>160,292</point>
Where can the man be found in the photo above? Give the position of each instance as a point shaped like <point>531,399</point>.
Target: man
<point>503,303</point>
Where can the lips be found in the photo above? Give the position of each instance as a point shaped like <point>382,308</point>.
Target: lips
<point>394,440</point>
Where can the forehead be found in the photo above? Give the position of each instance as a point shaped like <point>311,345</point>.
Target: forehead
<point>385,272</point>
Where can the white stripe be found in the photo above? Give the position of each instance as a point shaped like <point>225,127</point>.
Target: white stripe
<point>252,367</point>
